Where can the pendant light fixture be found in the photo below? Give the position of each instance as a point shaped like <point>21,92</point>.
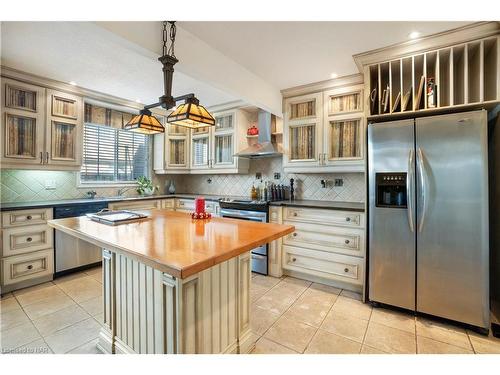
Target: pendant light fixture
<point>189,114</point>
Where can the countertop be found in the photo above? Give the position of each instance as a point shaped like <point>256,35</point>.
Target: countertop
<point>331,205</point>
<point>174,243</point>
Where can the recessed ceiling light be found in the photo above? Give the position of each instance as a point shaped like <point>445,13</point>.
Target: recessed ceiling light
<point>72,83</point>
<point>414,35</point>
<point>334,75</point>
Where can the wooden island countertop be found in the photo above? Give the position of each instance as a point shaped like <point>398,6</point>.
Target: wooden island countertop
<point>173,242</point>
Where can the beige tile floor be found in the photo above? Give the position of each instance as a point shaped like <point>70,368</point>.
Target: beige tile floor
<point>289,316</point>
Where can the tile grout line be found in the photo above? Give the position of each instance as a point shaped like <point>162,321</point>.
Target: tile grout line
<point>284,312</point>
<point>330,309</point>
<point>470,342</point>
<point>366,331</point>
<point>52,333</point>
<point>34,326</point>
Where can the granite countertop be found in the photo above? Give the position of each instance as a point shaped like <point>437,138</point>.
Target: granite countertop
<point>331,205</point>
<point>346,206</point>
<point>72,202</point>
<point>154,240</point>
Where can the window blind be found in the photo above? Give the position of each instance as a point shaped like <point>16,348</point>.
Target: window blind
<point>113,155</point>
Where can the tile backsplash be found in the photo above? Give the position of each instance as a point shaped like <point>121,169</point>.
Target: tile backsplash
<point>307,186</point>
<point>30,185</point>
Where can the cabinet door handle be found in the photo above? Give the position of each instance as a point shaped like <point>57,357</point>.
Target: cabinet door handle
<point>30,267</point>
<point>324,159</point>
<point>295,214</point>
<point>346,269</point>
<point>46,157</point>
<point>347,242</point>
<point>29,239</point>
<point>294,234</point>
<point>41,157</point>
<point>347,219</point>
<point>29,217</point>
<point>294,259</point>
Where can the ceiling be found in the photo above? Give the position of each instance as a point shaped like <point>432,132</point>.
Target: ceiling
<point>289,54</point>
<point>280,54</point>
<point>95,59</point>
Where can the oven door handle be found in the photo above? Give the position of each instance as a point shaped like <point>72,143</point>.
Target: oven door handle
<point>258,256</point>
<point>250,218</point>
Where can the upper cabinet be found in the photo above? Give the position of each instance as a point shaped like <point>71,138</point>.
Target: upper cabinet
<point>303,131</point>
<point>41,128</point>
<point>64,129</point>
<point>205,150</point>
<point>171,150</point>
<point>324,131</point>
<point>451,77</point>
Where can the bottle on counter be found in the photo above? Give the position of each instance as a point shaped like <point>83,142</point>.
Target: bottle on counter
<point>266,191</point>
<point>253,193</point>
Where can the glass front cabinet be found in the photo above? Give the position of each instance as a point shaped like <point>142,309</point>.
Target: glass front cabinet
<point>64,129</point>
<point>171,149</point>
<point>41,128</point>
<point>205,150</point>
<point>325,132</point>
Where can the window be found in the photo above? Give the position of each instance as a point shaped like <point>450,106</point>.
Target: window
<point>110,154</point>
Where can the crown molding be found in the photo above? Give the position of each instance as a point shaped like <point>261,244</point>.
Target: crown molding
<point>91,95</point>
<point>459,35</point>
<point>350,80</point>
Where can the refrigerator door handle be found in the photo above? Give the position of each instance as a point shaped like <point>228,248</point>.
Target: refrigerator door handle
<point>409,184</point>
<point>423,184</point>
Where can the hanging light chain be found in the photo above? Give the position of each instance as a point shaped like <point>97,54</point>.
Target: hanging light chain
<point>165,37</point>
<point>173,30</point>
<point>169,34</point>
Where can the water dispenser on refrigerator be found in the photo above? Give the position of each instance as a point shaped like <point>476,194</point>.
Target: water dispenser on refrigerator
<point>391,190</point>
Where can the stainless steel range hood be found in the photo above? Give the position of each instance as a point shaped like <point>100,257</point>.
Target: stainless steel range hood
<point>264,148</point>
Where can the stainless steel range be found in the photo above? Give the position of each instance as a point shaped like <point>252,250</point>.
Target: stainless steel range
<point>243,209</point>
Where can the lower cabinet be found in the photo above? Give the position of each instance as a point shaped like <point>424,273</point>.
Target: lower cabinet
<point>27,252</point>
<point>19,268</point>
<point>324,264</point>
<point>187,205</point>
<point>327,246</point>
<point>147,204</point>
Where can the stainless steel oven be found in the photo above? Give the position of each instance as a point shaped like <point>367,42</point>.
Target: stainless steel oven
<point>251,212</point>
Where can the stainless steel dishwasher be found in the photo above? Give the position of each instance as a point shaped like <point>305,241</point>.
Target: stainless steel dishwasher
<point>71,253</point>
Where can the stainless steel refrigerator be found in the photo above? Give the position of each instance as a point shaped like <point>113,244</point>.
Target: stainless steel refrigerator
<point>428,215</point>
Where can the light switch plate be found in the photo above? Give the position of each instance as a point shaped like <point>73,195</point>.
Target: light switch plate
<point>50,184</point>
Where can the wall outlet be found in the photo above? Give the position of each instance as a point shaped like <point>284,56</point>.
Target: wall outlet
<point>339,182</point>
<point>277,176</point>
<point>50,184</point>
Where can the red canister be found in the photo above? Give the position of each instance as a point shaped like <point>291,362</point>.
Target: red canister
<point>199,205</point>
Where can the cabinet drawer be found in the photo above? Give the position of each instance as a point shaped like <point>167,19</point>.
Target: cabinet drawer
<point>340,240</point>
<point>26,217</point>
<point>168,204</point>
<point>184,205</point>
<point>322,264</point>
<point>26,239</point>
<point>138,205</point>
<point>275,214</point>
<point>212,207</point>
<point>187,205</point>
<point>326,217</point>
<point>27,266</point>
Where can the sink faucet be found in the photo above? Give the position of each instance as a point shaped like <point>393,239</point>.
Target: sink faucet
<point>123,190</point>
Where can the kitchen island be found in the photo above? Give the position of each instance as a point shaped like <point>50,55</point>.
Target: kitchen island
<point>173,284</point>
